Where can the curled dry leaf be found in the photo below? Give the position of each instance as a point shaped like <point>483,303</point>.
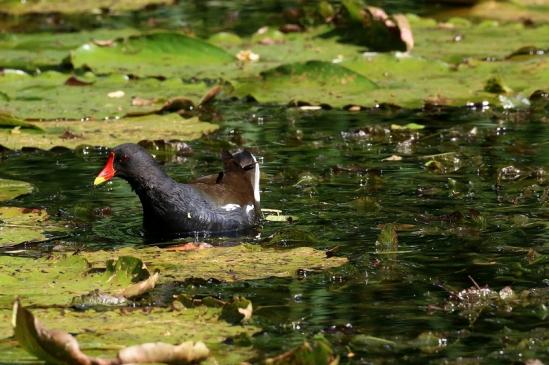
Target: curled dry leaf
<point>60,348</point>
<point>141,287</point>
<point>103,42</point>
<point>186,353</point>
<point>52,346</point>
<point>210,95</point>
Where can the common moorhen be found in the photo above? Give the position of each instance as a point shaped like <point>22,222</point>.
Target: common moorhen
<point>226,202</point>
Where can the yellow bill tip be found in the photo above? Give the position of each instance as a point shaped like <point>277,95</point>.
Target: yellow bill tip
<point>99,180</point>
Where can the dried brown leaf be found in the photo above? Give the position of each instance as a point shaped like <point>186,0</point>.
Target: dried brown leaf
<point>141,287</point>
<point>186,353</point>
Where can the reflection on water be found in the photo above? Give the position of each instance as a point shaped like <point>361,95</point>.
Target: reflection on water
<point>462,211</point>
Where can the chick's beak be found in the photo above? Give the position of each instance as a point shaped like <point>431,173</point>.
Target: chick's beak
<point>108,171</point>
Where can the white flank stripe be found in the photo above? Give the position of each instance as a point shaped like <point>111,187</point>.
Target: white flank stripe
<point>229,207</point>
<point>256,180</point>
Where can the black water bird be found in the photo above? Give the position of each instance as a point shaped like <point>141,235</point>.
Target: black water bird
<point>225,202</point>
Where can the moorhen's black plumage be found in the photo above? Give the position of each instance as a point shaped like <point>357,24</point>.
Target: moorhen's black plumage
<point>228,201</point>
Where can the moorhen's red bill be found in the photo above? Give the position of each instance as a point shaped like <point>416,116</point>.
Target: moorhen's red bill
<point>226,202</point>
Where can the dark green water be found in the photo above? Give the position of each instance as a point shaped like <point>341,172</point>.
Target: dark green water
<point>471,219</point>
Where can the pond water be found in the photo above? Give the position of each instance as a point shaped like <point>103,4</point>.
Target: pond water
<point>469,197</point>
<point>466,190</point>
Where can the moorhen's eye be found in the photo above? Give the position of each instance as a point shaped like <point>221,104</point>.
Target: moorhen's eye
<point>124,158</point>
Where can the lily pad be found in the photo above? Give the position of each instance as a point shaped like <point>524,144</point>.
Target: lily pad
<point>315,82</point>
<point>29,51</point>
<point>158,54</point>
<point>10,189</point>
<point>105,333</point>
<point>243,262</point>
<point>518,10</point>
<point>110,133</point>
<point>54,95</point>
<point>23,224</point>
<point>47,281</point>
<point>16,7</point>
<point>464,40</point>
<point>8,121</point>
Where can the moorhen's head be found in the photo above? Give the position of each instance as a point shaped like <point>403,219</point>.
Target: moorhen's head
<point>128,161</point>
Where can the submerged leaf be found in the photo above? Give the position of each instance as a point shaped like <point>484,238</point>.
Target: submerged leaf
<point>238,310</point>
<point>317,351</point>
<point>388,238</point>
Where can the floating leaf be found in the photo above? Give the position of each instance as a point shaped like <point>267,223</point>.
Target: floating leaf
<point>24,225</point>
<point>49,281</point>
<point>72,134</point>
<point>10,121</point>
<point>11,189</point>
<point>54,347</point>
<point>314,82</point>
<point>49,96</point>
<point>125,270</point>
<point>185,353</point>
<point>141,287</point>
<point>75,6</point>
<point>105,333</point>
<point>157,54</point>
<point>61,348</point>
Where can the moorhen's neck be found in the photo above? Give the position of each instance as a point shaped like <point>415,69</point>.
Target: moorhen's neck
<point>150,178</point>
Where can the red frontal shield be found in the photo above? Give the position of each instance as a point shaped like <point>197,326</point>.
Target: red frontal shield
<point>108,171</point>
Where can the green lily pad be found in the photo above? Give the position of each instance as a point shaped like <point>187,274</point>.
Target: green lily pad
<point>22,224</point>
<point>243,262</point>
<point>8,121</point>
<point>16,7</point>
<point>54,95</point>
<point>463,40</point>
<point>105,333</point>
<point>72,134</point>
<point>47,281</point>
<point>411,81</point>
<point>158,54</point>
<point>517,10</point>
<point>11,189</point>
<point>315,82</point>
<point>29,51</point>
